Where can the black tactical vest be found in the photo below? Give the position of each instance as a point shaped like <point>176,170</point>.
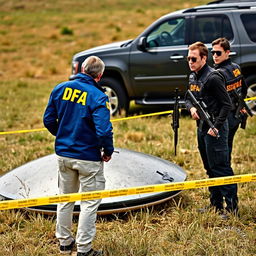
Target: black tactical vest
<point>233,80</point>
<point>197,86</point>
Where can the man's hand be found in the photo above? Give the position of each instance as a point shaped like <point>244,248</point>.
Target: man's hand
<point>193,112</point>
<point>105,158</point>
<point>212,133</point>
<point>243,111</point>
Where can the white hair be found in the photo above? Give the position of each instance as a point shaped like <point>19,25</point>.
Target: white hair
<point>93,66</point>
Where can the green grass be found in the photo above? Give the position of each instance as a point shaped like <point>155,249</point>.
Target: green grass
<point>35,56</point>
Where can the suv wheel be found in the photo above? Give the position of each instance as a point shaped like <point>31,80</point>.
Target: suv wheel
<point>116,94</point>
<point>251,92</point>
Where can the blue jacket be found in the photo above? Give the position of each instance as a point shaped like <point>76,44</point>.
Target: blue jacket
<point>78,115</point>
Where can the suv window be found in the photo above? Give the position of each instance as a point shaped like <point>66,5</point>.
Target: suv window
<point>209,28</point>
<point>249,24</point>
<point>169,33</point>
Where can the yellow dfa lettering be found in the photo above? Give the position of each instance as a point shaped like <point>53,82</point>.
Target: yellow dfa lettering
<point>67,94</point>
<point>194,88</point>
<point>233,86</point>
<point>82,98</point>
<point>75,95</point>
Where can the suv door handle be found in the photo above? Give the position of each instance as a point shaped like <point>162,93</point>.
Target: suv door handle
<point>176,57</point>
<point>232,53</point>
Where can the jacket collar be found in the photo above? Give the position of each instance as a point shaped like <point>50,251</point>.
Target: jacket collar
<point>88,79</point>
<point>201,71</point>
<point>223,63</point>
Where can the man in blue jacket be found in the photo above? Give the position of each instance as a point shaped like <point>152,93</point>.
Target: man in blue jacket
<point>78,114</point>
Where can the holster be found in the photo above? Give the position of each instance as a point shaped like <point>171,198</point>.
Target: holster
<point>243,118</point>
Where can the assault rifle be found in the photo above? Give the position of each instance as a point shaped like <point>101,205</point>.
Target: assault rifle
<point>241,105</point>
<point>175,120</point>
<point>203,114</point>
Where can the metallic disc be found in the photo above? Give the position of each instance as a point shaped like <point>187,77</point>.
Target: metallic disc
<point>127,168</point>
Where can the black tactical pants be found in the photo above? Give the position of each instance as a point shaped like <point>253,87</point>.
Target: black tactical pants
<point>215,155</point>
<point>233,124</point>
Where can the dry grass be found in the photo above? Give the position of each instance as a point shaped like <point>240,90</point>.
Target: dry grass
<point>174,228</point>
<point>36,55</point>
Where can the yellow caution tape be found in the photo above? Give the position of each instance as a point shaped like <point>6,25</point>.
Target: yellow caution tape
<point>140,116</point>
<point>252,98</point>
<point>12,204</point>
<point>24,131</point>
<point>112,120</point>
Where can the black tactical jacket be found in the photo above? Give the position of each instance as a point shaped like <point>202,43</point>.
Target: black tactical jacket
<point>234,80</point>
<point>208,85</point>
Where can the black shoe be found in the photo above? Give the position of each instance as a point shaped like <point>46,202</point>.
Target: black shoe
<point>67,249</point>
<point>90,253</point>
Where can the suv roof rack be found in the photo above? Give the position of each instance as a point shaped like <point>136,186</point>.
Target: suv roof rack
<point>227,4</point>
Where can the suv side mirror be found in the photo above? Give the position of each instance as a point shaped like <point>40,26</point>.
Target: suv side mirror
<point>142,44</point>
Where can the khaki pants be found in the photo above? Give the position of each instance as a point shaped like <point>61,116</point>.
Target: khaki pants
<point>88,176</point>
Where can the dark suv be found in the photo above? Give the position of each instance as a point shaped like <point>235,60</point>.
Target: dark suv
<point>150,67</point>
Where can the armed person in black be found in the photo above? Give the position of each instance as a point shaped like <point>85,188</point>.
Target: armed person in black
<point>235,86</point>
<point>207,85</point>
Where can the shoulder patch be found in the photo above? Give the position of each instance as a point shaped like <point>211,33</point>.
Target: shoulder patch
<point>236,72</point>
<point>108,105</point>
<point>192,76</point>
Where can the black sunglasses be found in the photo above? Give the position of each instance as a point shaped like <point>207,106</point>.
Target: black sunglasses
<point>193,59</point>
<point>218,53</point>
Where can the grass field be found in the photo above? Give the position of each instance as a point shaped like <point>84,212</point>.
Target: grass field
<point>37,41</point>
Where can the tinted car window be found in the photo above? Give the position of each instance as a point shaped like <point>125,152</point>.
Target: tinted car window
<point>169,33</point>
<point>209,28</point>
<point>249,21</point>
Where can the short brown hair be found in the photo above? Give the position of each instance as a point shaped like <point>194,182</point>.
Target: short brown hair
<point>223,42</point>
<point>203,50</point>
